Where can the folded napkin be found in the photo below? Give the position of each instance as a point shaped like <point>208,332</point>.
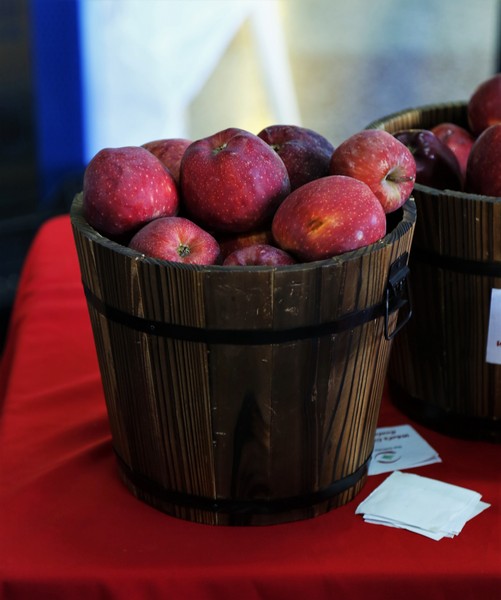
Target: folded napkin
<point>422,505</point>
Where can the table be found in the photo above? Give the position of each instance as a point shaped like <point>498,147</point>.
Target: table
<point>69,529</point>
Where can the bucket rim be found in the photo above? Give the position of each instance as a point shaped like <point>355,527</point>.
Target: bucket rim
<point>379,122</point>
<point>406,221</point>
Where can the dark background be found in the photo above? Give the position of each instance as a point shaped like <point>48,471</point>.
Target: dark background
<point>34,185</point>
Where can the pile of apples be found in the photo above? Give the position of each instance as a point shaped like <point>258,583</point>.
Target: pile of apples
<point>282,196</point>
<point>466,159</point>
<point>285,195</point>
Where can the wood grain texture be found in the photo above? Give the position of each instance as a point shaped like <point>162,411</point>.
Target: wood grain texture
<point>438,363</point>
<point>250,423</point>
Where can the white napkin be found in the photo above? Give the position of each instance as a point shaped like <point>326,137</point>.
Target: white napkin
<point>422,505</point>
<point>400,447</point>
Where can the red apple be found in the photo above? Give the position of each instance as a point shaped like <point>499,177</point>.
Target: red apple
<point>306,153</point>
<point>232,181</point>
<point>328,216</point>
<point>170,152</point>
<point>382,162</point>
<point>124,188</point>
<point>259,254</point>
<point>458,139</point>
<point>483,172</point>
<point>436,164</point>
<point>176,239</point>
<point>484,105</point>
<point>229,243</point>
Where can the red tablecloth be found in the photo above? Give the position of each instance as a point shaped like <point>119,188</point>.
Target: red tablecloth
<point>69,529</point>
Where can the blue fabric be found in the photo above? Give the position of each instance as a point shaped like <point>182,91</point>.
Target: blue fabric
<point>58,90</point>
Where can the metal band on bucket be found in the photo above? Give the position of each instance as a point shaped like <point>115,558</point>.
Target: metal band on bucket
<point>446,421</point>
<point>456,263</point>
<point>396,296</point>
<point>240,506</point>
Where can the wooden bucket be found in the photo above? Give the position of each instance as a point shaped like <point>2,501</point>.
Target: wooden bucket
<point>438,365</point>
<point>244,395</point>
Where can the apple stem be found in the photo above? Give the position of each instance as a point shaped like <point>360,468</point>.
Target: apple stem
<point>219,148</point>
<point>183,250</point>
<point>394,177</point>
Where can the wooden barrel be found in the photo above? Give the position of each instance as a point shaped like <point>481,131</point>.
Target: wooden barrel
<point>439,364</point>
<point>244,395</point>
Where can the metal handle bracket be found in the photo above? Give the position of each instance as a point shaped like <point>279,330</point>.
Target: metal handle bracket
<point>398,295</point>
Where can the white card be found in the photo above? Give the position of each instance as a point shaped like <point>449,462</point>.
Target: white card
<point>493,354</point>
<point>400,447</point>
